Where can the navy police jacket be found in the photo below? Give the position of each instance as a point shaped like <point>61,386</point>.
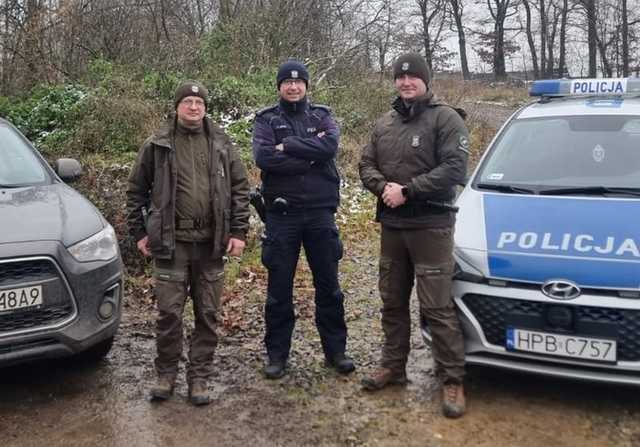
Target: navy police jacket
<point>304,173</point>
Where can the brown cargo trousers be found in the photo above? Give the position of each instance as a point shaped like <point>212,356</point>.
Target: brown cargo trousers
<point>427,255</point>
<point>192,272</point>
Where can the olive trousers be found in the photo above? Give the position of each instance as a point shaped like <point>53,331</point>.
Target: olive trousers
<point>426,255</point>
<point>191,272</point>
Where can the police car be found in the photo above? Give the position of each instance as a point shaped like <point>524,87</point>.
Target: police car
<point>547,240</point>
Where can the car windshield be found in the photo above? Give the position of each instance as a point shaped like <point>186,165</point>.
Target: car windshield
<point>19,166</point>
<point>572,154</point>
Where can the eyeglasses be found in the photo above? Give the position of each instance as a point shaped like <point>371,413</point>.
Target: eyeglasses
<point>289,82</point>
<point>190,102</point>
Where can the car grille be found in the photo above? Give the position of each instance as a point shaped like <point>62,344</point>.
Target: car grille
<point>57,305</point>
<point>19,272</point>
<point>492,313</point>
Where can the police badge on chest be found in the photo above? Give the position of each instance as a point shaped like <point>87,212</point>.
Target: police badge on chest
<point>415,141</point>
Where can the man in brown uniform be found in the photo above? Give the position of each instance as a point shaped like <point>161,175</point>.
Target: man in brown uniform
<point>417,154</point>
<point>187,205</point>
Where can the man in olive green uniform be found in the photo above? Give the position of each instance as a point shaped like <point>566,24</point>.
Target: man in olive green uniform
<point>187,205</point>
<point>417,154</point>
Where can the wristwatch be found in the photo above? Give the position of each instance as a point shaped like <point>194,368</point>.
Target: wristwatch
<point>405,191</point>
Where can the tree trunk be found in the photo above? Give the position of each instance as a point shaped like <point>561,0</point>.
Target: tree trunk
<point>592,36</point>
<point>531,42</point>
<point>625,39</point>
<point>543,37</point>
<point>562,60</point>
<point>426,40</point>
<point>462,41</point>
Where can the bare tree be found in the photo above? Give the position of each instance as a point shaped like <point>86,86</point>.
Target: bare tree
<point>500,11</point>
<point>457,12</point>
<point>432,21</point>
<point>530,40</point>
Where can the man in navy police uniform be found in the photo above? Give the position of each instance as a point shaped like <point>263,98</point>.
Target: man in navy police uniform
<point>295,145</point>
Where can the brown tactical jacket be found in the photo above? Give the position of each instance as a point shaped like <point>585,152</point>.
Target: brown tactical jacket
<point>151,194</point>
<point>425,147</point>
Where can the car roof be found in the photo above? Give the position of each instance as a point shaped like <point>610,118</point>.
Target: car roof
<point>582,105</point>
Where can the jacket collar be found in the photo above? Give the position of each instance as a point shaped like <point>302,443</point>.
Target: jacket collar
<point>410,110</point>
<point>294,108</point>
<point>164,135</point>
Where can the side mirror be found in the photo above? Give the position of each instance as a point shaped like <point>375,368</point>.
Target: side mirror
<point>68,169</point>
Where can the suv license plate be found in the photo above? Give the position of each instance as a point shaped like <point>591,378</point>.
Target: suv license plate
<point>573,346</point>
<point>13,299</point>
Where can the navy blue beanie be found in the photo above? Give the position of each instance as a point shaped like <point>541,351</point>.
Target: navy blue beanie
<point>292,69</point>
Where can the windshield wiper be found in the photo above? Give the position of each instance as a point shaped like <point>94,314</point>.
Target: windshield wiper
<point>593,190</point>
<point>9,186</point>
<point>505,188</point>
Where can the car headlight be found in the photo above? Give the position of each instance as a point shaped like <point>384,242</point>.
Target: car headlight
<point>464,269</point>
<point>101,246</point>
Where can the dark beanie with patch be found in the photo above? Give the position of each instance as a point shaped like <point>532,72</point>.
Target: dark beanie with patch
<point>413,64</point>
<point>292,69</point>
<point>190,88</point>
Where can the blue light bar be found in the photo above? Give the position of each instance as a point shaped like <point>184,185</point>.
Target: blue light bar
<point>585,87</point>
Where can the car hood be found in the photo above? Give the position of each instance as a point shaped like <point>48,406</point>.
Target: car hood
<point>51,212</point>
<point>594,242</point>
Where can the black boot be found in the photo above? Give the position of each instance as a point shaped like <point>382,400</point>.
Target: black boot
<point>275,369</point>
<point>341,363</point>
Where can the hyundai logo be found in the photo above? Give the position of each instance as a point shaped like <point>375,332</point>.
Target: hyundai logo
<point>560,289</point>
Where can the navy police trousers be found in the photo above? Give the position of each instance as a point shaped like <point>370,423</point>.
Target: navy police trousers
<point>316,231</point>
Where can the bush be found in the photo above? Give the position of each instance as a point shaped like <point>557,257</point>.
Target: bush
<point>113,123</point>
<point>356,102</point>
<point>45,116</point>
<point>239,96</point>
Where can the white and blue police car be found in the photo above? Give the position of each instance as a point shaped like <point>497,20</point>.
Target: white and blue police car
<point>547,239</point>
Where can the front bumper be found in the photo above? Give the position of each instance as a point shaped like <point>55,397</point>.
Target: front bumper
<point>485,311</point>
<point>68,322</point>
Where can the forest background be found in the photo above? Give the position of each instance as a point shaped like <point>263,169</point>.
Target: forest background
<point>91,79</point>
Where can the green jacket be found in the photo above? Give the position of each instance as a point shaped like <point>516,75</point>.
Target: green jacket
<point>424,146</point>
<point>151,193</point>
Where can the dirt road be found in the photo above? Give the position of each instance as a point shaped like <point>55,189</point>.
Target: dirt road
<point>70,404</point>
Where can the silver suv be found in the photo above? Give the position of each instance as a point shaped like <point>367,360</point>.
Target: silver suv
<point>60,266</point>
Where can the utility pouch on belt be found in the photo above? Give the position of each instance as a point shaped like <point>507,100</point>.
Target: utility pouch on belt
<point>256,199</point>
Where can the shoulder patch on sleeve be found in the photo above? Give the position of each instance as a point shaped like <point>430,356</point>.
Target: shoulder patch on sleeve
<point>321,107</point>
<point>463,144</point>
<point>266,109</point>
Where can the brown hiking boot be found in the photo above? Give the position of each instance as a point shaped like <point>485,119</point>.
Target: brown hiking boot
<point>198,393</point>
<point>163,388</point>
<point>453,402</point>
<point>382,377</point>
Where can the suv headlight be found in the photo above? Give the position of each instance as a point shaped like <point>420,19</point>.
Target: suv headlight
<point>101,246</point>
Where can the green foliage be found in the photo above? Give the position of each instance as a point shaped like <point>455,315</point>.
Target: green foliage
<point>113,123</point>
<point>230,48</point>
<point>237,96</point>
<point>99,70</point>
<point>240,133</point>
<point>162,85</point>
<point>45,115</point>
<point>356,102</point>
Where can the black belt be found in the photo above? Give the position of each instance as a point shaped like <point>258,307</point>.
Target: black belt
<point>418,209</point>
<point>192,224</point>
